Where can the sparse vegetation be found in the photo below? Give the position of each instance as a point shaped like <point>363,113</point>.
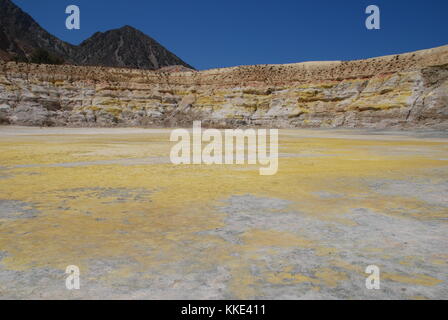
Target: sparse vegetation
<point>42,56</point>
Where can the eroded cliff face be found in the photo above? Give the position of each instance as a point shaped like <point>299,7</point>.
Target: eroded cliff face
<point>401,91</point>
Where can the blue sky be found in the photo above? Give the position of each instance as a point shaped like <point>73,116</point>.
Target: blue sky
<point>221,33</point>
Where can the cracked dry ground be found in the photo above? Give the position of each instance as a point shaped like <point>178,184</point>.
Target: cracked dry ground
<point>138,227</point>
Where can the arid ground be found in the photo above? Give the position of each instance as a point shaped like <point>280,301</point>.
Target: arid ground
<point>110,202</point>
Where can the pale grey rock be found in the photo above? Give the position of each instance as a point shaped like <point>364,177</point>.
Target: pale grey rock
<point>30,114</point>
<point>5,111</point>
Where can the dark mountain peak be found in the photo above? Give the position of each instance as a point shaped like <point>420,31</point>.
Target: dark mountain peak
<point>129,28</point>
<point>125,30</point>
<point>126,47</point>
<point>20,36</point>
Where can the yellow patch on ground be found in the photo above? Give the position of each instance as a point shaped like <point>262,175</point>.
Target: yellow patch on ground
<point>154,215</point>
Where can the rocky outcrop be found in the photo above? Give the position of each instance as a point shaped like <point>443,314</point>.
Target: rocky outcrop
<point>401,91</point>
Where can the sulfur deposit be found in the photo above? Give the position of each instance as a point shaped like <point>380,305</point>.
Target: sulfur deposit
<point>401,91</point>
<point>109,201</point>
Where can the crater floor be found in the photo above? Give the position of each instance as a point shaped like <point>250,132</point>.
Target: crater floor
<point>110,202</point>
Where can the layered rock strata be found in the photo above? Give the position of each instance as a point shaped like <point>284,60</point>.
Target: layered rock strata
<point>400,91</point>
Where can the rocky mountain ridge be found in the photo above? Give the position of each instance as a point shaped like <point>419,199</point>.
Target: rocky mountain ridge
<point>21,36</point>
<point>399,91</point>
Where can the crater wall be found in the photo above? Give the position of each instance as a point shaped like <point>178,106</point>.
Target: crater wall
<point>400,91</point>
